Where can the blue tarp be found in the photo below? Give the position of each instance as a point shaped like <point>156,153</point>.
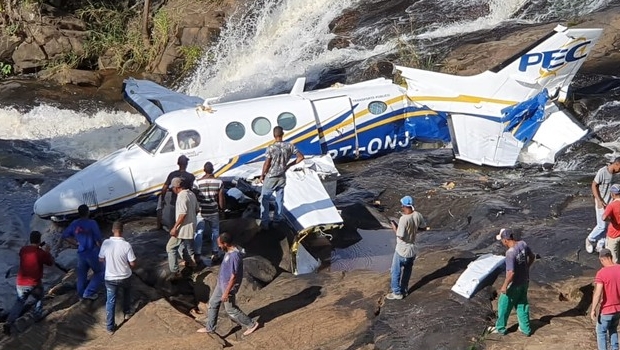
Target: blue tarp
<point>153,100</point>
<point>524,119</point>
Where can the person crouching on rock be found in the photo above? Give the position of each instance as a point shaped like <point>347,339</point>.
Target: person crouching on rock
<point>85,233</point>
<point>228,282</point>
<point>405,253</point>
<point>119,259</point>
<point>31,260</point>
<point>513,293</point>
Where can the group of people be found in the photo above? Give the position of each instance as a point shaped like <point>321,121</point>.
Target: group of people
<point>111,262</point>
<point>197,203</point>
<point>604,238</point>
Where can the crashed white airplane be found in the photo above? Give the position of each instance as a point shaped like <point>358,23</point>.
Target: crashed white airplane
<point>491,118</point>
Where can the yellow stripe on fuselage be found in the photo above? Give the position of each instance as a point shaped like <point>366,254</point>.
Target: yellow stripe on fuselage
<point>462,98</point>
<point>388,120</point>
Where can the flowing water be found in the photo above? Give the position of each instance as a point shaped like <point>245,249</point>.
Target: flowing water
<point>262,50</point>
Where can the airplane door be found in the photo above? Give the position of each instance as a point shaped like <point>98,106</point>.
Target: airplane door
<point>335,119</point>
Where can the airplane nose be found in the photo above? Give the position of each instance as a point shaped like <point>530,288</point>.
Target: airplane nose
<point>62,200</point>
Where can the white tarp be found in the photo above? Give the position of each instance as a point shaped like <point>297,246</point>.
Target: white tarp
<point>475,273</point>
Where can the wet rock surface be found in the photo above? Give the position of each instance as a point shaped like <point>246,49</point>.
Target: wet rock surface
<point>465,207</point>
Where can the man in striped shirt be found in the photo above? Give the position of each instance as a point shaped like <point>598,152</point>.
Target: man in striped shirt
<point>210,200</point>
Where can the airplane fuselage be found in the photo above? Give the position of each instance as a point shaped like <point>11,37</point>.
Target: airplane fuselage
<point>349,122</point>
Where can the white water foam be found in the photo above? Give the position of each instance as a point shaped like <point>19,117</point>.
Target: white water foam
<point>499,11</point>
<point>279,41</point>
<point>77,134</point>
<point>566,9</point>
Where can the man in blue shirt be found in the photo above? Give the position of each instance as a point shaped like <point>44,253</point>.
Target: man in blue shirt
<point>84,233</point>
<point>228,282</point>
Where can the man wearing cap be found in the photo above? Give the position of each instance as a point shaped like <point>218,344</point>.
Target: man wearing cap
<point>612,215</point>
<point>513,293</point>
<point>187,177</point>
<point>601,191</point>
<point>405,253</point>
<point>273,177</point>
<point>182,232</point>
<point>607,294</point>
<point>119,259</point>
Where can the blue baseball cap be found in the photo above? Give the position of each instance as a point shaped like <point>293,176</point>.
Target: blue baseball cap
<point>615,189</point>
<point>407,201</point>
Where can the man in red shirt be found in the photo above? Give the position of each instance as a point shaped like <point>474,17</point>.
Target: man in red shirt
<point>607,293</point>
<point>31,260</point>
<point>612,215</point>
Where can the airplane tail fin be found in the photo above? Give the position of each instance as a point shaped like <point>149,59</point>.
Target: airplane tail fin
<point>549,63</point>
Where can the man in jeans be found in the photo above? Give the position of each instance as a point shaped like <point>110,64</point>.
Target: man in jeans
<point>84,233</point>
<point>402,264</point>
<point>31,260</point>
<point>228,282</point>
<point>182,233</point>
<point>513,293</point>
<point>600,190</point>
<point>210,201</point>
<point>607,294</point>
<point>273,176</point>
<point>119,260</point>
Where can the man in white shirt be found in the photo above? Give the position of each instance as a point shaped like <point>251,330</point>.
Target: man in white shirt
<point>119,260</point>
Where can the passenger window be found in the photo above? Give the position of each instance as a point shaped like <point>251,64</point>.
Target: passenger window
<point>261,126</point>
<point>287,120</point>
<point>235,131</point>
<point>188,139</point>
<point>377,107</point>
<point>168,147</point>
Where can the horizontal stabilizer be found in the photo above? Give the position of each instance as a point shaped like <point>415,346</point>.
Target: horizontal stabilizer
<point>153,100</point>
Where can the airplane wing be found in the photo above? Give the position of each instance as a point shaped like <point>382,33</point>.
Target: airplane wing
<point>308,202</point>
<point>153,100</point>
<point>308,205</point>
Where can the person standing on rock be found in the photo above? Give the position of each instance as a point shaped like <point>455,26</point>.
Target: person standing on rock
<point>119,259</point>
<point>182,232</point>
<point>273,175</point>
<point>211,201</point>
<point>228,282</point>
<point>612,216</point>
<point>405,253</point>
<point>600,190</point>
<point>607,296</point>
<point>31,260</point>
<point>188,179</point>
<point>513,293</point>
<point>85,233</point>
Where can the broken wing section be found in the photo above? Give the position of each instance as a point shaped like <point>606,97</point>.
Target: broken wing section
<point>533,131</point>
<point>153,100</point>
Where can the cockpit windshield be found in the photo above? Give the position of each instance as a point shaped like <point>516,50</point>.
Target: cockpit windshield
<point>151,138</point>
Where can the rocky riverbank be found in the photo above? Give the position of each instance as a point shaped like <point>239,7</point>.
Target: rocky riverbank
<point>347,310</point>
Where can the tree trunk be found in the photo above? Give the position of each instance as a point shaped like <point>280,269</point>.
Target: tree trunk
<point>145,23</point>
